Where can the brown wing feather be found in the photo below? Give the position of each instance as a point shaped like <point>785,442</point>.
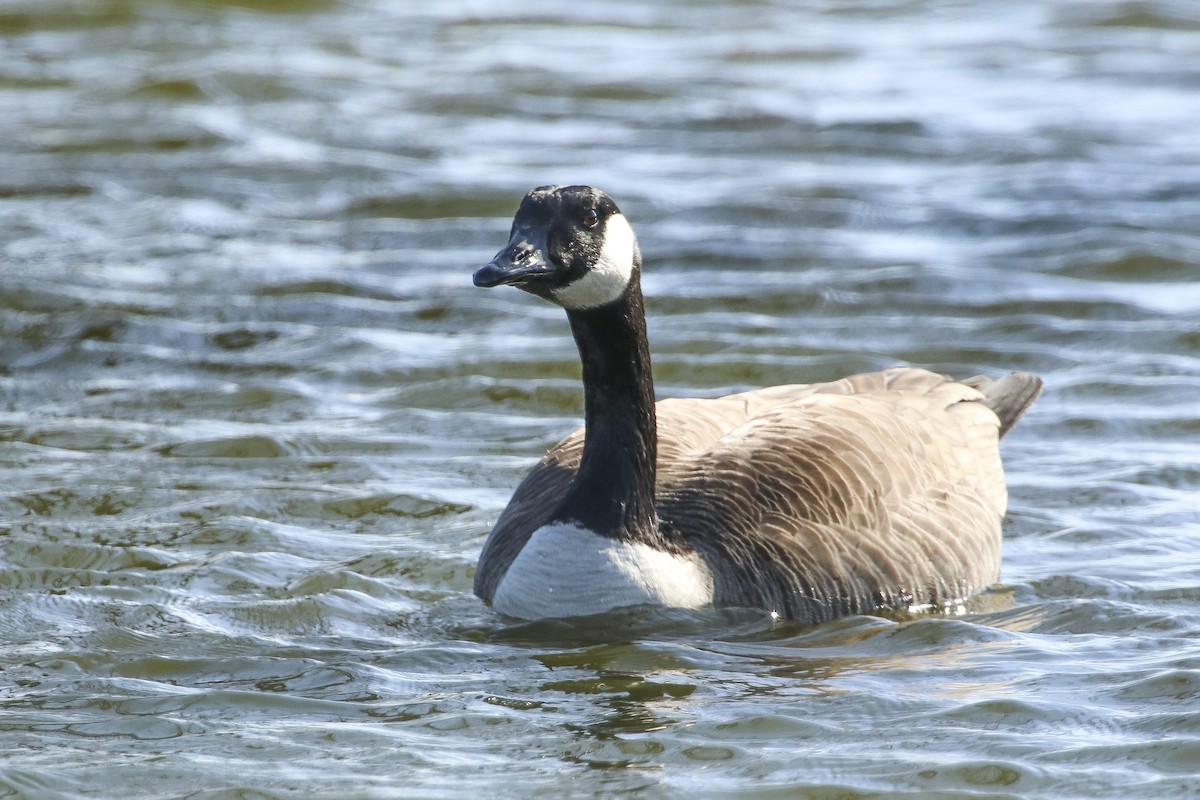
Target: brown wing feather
<point>881,489</point>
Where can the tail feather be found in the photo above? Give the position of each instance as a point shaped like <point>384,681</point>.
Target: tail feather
<point>1009,396</point>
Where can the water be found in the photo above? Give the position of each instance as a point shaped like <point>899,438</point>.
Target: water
<point>255,422</point>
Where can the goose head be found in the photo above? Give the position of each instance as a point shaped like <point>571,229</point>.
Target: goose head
<point>569,245</point>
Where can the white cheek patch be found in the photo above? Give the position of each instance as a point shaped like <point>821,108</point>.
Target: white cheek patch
<point>609,276</point>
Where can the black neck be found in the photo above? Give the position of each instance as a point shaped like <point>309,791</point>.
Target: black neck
<point>613,492</point>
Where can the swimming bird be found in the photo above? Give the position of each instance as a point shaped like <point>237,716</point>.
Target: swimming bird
<point>879,490</point>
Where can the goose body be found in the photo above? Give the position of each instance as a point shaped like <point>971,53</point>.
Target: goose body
<point>811,501</point>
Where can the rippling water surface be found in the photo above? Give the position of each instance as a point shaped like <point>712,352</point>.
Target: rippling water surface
<point>255,422</point>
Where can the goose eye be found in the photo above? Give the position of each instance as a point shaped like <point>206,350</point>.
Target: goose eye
<point>590,218</point>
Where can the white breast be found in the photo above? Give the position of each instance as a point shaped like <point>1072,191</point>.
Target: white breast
<point>569,571</point>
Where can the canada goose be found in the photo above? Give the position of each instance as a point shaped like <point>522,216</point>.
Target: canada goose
<point>808,501</point>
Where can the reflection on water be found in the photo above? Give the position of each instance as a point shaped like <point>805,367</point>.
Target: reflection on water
<point>255,422</point>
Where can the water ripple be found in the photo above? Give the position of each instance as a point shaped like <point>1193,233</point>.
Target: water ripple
<point>255,422</point>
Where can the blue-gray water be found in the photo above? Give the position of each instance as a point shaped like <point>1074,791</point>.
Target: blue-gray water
<point>255,422</point>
